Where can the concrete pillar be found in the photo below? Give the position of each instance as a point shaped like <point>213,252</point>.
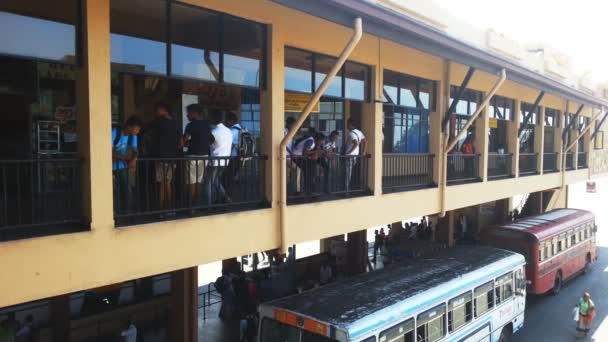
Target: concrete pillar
<point>539,140</point>
<point>557,140</point>
<point>444,231</point>
<point>482,127</point>
<point>371,125</point>
<point>513,133</point>
<point>272,115</point>
<point>502,210</point>
<point>356,252</point>
<point>95,115</point>
<point>436,136</point>
<point>184,305</point>
<point>59,310</point>
<point>574,150</point>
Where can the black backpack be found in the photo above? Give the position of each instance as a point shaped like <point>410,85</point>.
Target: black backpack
<point>246,148</point>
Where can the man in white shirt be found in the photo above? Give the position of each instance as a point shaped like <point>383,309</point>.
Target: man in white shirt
<point>129,334</point>
<point>355,146</point>
<point>221,148</point>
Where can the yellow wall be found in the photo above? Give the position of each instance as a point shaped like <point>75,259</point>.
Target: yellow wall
<point>48,266</point>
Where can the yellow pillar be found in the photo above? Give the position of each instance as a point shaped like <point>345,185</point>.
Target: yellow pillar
<point>557,140</point>
<point>94,120</point>
<point>513,132</point>
<point>371,125</point>
<point>184,305</point>
<point>539,140</point>
<point>436,136</point>
<point>482,128</point>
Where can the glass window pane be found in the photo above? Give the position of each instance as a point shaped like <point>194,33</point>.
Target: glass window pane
<point>243,47</point>
<point>23,32</point>
<point>408,92</point>
<point>298,70</point>
<point>323,65</point>
<point>391,83</point>
<point>193,54</point>
<point>356,81</point>
<point>426,93</point>
<point>138,40</point>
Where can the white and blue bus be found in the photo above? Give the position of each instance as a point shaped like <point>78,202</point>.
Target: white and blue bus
<point>462,294</point>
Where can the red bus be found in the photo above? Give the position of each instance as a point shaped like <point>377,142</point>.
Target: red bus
<point>557,245</point>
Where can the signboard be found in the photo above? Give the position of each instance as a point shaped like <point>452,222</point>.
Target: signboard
<point>215,97</point>
<point>493,123</point>
<point>297,102</point>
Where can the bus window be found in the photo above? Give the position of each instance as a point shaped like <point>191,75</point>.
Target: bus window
<point>273,331</point>
<point>572,240</point>
<point>430,326</point>
<point>310,337</point>
<point>547,247</point>
<point>504,288</point>
<point>372,339</point>
<point>484,298</point>
<point>559,246</point>
<point>460,311</point>
<point>402,332</point>
<point>541,253</point>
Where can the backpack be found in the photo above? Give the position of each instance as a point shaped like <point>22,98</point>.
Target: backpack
<point>246,145</point>
<point>118,135</point>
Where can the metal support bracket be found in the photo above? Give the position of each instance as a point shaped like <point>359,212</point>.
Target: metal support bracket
<point>529,114</point>
<point>461,89</point>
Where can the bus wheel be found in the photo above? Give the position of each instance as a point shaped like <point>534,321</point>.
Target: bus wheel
<point>505,335</point>
<point>557,285</point>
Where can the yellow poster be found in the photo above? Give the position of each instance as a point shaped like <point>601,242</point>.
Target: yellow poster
<point>297,102</point>
<point>493,123</point>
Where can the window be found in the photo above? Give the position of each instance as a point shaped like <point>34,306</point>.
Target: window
<point>430,325</point>
<point>468,101</point>
<point>243,44</point>
<point>408,91</point>
<point>323,65</point>
<point>460,311</point>
<point>501,108</point>
<point>572,240</point>
<point>303,68</point>
<point>484,298</point>
<point>541,253</point>
<point>552,117</point>
<point>402,332</point>
<point>598,142</point>
<point>504,288</point>
<point>406,130</point>
<point>195,55</point>
<point>273,331</point>
<point>135,49</point>
<point>372,339</point>
<point>560,246</point>
<point>35,29</point>
<point>526,108</point>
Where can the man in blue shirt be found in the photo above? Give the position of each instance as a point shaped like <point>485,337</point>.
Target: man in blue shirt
<point>124,157</point>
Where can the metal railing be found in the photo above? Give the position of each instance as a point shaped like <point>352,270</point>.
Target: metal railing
<point>569,161</point>
<point>528,164</point>
<point>582,160</point>
<point>169,188</point>
<point>499,165</point>
<point>38,193</point>
<point>208,297</point>
<point>463,168</point>
<point>326,178</point>
<point>550,162</point>
<point>402,172</point>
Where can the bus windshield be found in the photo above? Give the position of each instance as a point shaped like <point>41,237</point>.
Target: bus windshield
<point>273,331</point>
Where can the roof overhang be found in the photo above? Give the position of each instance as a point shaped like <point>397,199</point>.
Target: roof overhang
<point>388,24</point>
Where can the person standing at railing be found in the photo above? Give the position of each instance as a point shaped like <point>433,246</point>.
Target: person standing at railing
<point>124,157</point>
<point>129,332</point>
<point>231,175</point>
<point>468,149</point>
<point>197,139</point>
<point>329,151</point>
<point>355,146</point>
<point>221,148</point>
<point>165,145</point>
<point>293,169</point>
<point>306,155</point>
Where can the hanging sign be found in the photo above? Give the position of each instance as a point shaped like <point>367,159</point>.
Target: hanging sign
<point>297,102</point>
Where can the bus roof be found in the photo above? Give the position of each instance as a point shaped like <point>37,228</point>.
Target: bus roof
<point>550,223</point>
<point>370,301</point>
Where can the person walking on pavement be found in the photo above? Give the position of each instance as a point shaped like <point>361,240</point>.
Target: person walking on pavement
<point>586,314</point>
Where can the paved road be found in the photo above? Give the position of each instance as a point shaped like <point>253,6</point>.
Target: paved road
<point>549,318</point>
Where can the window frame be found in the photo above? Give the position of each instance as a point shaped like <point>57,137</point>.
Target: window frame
<point>500,102</point>
<point>425,318</point>
<point>341,73</point>
<point>78,43</point>
<point>402,325</point>
<point>499,287</point>
<point>451,307</point>
<point>488,289</point>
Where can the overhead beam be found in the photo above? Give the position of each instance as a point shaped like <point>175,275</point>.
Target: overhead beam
<point>461,89</point>
<point>530,112</point>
